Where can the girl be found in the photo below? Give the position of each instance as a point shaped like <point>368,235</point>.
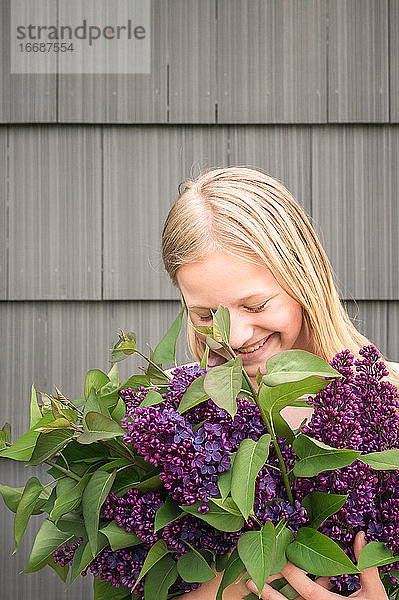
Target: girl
<point>236,237</point>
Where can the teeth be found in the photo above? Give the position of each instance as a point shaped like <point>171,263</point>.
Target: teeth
<point>252,349</point>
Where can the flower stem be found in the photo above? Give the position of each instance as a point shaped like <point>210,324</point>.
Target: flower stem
<point>270,429</point>
<point>66,472</point>
<point>154,364</point>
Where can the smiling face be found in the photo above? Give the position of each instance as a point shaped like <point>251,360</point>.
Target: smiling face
<point>261,312</point>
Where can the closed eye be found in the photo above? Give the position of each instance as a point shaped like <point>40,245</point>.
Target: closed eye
<point>255,310</point>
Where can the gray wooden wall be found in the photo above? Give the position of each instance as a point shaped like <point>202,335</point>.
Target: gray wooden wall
<point>306,90</point>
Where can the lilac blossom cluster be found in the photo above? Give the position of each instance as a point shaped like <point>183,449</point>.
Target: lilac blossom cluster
<point>190,451</point>
<point>358,411</point>
<point>190,460</point>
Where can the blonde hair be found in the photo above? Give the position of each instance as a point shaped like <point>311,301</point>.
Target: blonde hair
<point>251,215</point>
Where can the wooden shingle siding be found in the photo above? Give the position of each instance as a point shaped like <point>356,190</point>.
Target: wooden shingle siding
<point>355,206</point>
<point>3,211</point>
<point>55,213</point>
<point>284,152</point>
<point>272,61</point>
<point>121,98</point>
<point>394,60</point>
<point>24,98</point>
<point>191,61</point>
<point>358,50</point>
<point>142,169</point>
<point>304,90</point>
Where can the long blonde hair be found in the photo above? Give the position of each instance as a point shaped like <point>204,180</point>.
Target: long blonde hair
<point>249,214</point>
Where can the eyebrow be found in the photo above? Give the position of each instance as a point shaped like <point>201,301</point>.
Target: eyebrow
<point>250,297</point>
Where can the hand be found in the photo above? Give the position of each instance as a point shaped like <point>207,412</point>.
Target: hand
<point>371,585</point>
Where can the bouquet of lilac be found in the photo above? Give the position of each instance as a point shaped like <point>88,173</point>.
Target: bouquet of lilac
<point>163,481</point>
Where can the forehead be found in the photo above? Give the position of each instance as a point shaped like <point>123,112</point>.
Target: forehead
<point>223,279</point>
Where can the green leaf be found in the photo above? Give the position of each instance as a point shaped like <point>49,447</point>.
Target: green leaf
<point>125,480</point>
<point>83,556</point>
<point>62,572</point>
<point>216,516</point>
<point>26,506</point>
<point>103,590</point>
<point>35,414</point>
<point>2,440</point>
<point>136,381</point>
<point>320,506</point>
<point>118,463</point>
<point>99,427</point>
<point>283,538</point>
<point>274,399</point>
<point>284,588</point>
<point>319,555</point>
<point>256,550</point>
<point>228,505</point>
<point>118,537</point>
<point>295,365</point>
<point>192,567</point>
<point>165,352</point>
<point>12,497</point>
<point>221,562</point>
<point>159,579</point>
<point>169,511</point>
<point>374,554</point>
<point>23,447</point>
<point>224,479</point>
<point>154,555</point>
<point>317,457</point>
<point>75,453</point>
<point>68,501</point>
<point>47,540</point>
<point>193,395</point>
<point>49,444</point>
<point>152,399</point>
<point>64,485</point>
<point>7,430</point>
<point>113,375</point>
<point>119,411</point>
<point>234,567</point>
<point>204,359</point>
<point>382,461</point>
<point>221,325</point>
<point>94,496</point>
<point>60,423</point>
<point>222,385</point>
<point>72,523</point>
<point>250,458</point>
<point>95,404</point>
<point>95,379</point>
<point>150,484</point>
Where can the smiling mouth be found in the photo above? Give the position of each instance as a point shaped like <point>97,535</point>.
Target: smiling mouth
<point>253,348</point>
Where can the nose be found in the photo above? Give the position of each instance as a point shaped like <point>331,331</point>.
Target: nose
<point>242,330</point>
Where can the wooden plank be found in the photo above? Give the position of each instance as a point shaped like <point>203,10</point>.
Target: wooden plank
<point>281,151</point>
<point>393,33</point>
<point>3,211</point>
<point>192,61</point>
<point>370,317</point>
<point>272,61</point>
<point>121,98</point>
<point>358,87</point>
<point>24,97</point>
<point>355,207</point>
<point>55,213</point>
<point>142,169</point>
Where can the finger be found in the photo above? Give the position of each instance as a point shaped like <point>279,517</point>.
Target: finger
<point>369,578</point>
<point>308,589</point>
<point>268,593</point>
<point>324,582</point>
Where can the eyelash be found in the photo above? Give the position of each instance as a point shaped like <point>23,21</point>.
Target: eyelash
<point>254,310</point>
